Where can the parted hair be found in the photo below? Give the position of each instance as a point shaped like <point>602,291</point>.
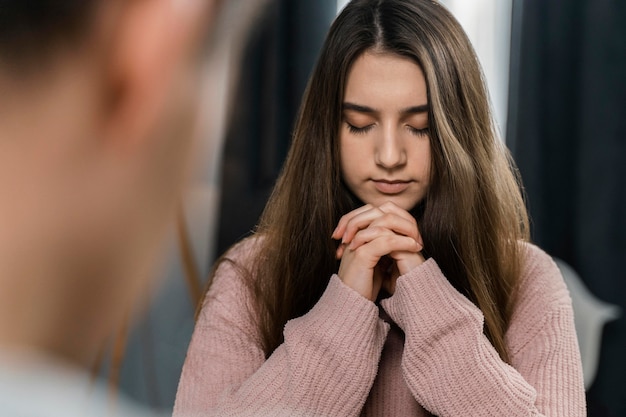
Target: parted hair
<point>473,217</point>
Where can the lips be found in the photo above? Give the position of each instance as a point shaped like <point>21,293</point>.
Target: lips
<point>391,187</point>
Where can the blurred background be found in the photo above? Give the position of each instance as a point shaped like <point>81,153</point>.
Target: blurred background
<point>557,77</point>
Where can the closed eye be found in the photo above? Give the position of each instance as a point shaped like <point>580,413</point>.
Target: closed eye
<point>418,132</point>
<point>359,130</point>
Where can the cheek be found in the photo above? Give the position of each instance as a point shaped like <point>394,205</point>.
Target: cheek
<point>423,159</point>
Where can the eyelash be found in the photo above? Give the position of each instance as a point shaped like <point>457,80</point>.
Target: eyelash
<point>418,132</point>
<point>363,130</point>
<point>359,130</point>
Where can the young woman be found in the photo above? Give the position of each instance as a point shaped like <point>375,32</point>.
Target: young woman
<point>390,273</point>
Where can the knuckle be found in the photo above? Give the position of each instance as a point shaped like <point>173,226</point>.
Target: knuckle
<point>379,230</point>
<point>361,253</point>
<point>388,217</point>
<point>389,240</point>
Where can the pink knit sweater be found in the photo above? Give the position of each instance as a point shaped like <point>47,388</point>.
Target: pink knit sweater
<point>343,359</point>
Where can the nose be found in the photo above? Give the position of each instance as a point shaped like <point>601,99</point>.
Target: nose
<point>390,151</point>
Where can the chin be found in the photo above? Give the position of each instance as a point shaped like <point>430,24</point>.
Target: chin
<point>401,201</point>
<point>408,206</point>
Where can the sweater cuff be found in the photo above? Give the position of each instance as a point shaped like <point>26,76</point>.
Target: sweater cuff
<point>344,317</point>
<point>341,333</point>
<point>424,297</point>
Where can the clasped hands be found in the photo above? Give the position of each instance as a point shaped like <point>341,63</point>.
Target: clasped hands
<point>378,244</point>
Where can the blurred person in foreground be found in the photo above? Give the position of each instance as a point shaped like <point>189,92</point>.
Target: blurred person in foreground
<point>98,107</point>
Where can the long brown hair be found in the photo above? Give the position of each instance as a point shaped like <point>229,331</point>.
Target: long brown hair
<point>473,216</point>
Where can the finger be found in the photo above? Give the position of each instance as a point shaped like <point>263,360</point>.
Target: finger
<point>339,230</point>
<point>358,268</point>
<point>340,251</point>
<point>371,252</point>
<point>390,207</point>
<point>362,237</point>
<point>387,222</point>
<point>398,224</point>
<point>358,222</point>
<point>367,235</point>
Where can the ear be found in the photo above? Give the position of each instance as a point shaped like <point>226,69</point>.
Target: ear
<point>151,42</point>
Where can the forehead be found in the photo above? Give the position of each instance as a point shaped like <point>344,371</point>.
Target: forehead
<point>386,80</point>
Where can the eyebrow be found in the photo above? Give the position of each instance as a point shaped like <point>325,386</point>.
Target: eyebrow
<point>423,108</point>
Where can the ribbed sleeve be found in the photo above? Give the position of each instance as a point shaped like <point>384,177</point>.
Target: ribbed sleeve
<point>452,369</point>
<point>325,367</point>
<point>542,338</point>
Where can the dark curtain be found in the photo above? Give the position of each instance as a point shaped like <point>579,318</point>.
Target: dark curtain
<point>277,64</point>
<point>567,131</point>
